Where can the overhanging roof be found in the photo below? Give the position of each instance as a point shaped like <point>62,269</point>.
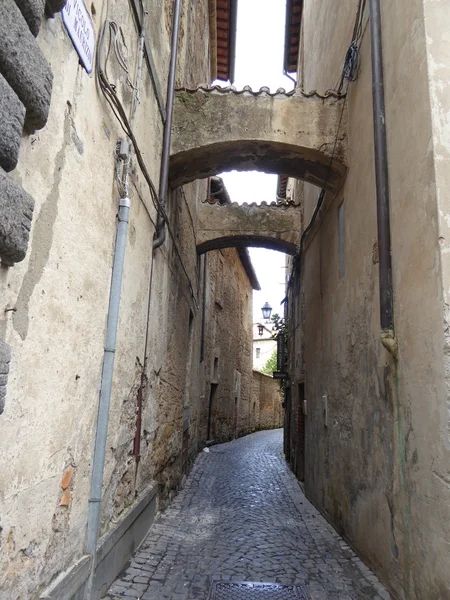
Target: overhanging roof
<point>294,11</point>
<point>224,20</point>
<point>282,187</point>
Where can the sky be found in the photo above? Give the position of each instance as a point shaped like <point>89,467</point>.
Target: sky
<point>259,62</point>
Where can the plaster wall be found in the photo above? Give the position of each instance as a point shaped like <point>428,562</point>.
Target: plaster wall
<point>54,306</point>
<point>266,348</point>
<point>377,465</point>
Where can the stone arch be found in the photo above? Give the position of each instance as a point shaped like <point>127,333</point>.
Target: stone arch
<point>248,241</point>
<point>262,225</point>
<point>293,134</point>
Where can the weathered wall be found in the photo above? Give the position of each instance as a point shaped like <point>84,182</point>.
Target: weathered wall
<point>379,467</point>
<point>263,225</point>
<point>284,133</point>
<point>227,360</point>
<point>54,307</point>
<point>266,401</point>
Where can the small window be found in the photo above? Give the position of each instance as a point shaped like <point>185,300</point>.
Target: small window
<point>219,283</point>
<point>258,352</point>
<point>341,244</point>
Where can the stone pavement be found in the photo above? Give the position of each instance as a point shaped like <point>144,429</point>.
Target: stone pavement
<point>242,516</point>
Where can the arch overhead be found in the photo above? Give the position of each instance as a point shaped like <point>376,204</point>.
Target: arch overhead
<point>272,226</point>
<point>219,129</point>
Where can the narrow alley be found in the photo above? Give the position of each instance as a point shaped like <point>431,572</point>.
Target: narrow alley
<point>242,517</point>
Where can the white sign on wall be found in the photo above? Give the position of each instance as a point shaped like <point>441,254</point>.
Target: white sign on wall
<point>81,31</point>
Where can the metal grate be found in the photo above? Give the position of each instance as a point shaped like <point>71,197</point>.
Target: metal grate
<point>227,590</point>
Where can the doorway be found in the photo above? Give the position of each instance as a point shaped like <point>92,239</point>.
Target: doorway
<point>212,396</point>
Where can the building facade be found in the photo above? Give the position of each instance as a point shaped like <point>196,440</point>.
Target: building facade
<point>367,418</point>
<point>61,182</point>
<point>264,344</point>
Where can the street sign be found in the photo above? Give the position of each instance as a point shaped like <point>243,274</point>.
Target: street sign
<point>279,375</point>
<point>81,31</point>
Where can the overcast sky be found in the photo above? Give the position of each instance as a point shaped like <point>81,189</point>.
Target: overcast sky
<point>259,62</point>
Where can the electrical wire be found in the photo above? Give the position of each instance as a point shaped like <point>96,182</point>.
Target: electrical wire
<point>110,94</point>
<point>352,61</point>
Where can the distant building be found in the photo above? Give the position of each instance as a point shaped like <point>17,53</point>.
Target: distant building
<point>263,344</point>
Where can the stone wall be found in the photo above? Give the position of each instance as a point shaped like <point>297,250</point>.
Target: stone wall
<point>227,358</point>
<point>263,225</point>
<point>377,450</point>
<point>266,401</point>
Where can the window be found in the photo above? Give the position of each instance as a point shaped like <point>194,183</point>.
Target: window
<point>341,246</point>
<point>258,352</point>
<point>219,283</point>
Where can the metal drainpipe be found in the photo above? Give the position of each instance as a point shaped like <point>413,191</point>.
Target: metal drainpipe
<point>110,345</point>
<point>106,381</point>
<point>164,172</point>
<point>382,183</point>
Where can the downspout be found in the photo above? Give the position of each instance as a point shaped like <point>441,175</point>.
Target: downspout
<point>106,382</point>
<point>387,335</point>
<point>101,433</point>
<point>160,234</point>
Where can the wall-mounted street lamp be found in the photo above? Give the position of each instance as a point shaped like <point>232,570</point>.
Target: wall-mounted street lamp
<point>260,329</point>
<point>266,311</point>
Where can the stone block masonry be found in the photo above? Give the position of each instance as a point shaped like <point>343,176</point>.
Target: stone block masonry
<point>11,125</point>
<point>16,213</point>
<point>24,66</point>
<point>32,11</point>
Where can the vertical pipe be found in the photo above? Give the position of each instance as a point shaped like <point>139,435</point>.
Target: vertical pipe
<point>382,173</point>
<point>202,342</point>
<point>110,343</point>
<point>106,382</point>
<point>164,172</point>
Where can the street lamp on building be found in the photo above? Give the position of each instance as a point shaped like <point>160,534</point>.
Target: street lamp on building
<point>266,311</point>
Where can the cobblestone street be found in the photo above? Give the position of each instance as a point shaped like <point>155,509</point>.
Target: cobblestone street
<point>243,517</point>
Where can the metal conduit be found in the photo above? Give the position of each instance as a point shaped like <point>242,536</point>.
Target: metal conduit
<point>167,136</point>
<point>106,384</point>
